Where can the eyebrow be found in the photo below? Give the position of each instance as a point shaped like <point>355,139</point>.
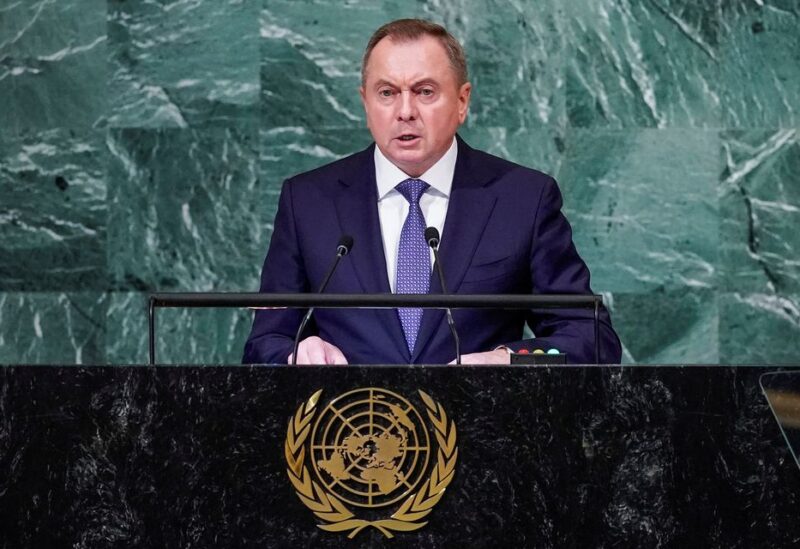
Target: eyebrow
<point>423,82</point>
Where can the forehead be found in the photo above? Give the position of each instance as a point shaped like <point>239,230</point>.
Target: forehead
<point>409,60</point>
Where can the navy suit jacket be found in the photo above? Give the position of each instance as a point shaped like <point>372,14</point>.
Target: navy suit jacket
<point>504,234</point>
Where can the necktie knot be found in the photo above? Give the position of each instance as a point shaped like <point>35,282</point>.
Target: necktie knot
<point>412,189</point>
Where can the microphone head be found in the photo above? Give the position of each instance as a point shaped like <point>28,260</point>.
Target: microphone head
<point>432,237</point>
<point>345,244</point>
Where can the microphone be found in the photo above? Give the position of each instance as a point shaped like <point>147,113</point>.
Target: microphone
<point>432,238</point>
<point>342,249</point>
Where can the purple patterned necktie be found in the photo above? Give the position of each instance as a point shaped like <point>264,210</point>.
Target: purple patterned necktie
<point>413,258</point>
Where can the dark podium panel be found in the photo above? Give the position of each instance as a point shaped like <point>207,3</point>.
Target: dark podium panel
<point>547,456</point>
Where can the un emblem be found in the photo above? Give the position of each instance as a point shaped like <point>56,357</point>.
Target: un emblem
<point>370,449</point>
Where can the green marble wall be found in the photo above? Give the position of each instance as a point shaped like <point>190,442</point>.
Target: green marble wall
<point>143,144</point>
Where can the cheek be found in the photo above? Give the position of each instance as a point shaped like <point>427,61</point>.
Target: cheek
<point>446,118</point>
<point>379,116</point>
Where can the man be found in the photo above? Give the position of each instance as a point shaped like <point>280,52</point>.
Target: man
<point>501,227</point>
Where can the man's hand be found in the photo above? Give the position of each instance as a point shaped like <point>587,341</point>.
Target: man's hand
<point>498,356</point>
<point>313,350</point>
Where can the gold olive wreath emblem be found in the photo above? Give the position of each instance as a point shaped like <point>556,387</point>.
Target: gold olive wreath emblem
<point>369,448</point>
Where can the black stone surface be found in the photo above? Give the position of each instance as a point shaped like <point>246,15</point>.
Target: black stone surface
<point>548,457</point>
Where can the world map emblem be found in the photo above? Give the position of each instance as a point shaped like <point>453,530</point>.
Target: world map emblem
<point>367,459</point>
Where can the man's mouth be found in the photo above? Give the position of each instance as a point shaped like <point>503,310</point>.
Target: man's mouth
<point>408,137</point>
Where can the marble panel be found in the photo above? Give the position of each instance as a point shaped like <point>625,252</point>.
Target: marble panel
<point>760,64</point>
<point>126,328</point>
<point>53,211</point>
<point>185,210</point>
<point>642,64</point>
<point>183,336</point>
<point>538,148</point>
<point>759,328</point>
<point>183,63</point>
<point>49,328</point>
<point>672,327</point>
<point>760,211</point>
<point>52,64</point>
<point>513,51</point>
<point>311,67</point>
<point>643,207</point>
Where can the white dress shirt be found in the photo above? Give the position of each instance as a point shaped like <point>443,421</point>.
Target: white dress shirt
<point>393,207</point>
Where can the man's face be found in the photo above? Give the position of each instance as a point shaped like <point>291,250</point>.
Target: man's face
<point>413,102</point>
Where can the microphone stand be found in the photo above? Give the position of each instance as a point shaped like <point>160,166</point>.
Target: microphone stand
<point>345,243</point>
<point>433,242</point>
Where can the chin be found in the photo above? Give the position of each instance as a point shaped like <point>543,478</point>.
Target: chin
<point>406,159</point>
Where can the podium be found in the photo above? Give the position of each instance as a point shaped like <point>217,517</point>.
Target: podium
<point>569,456</point>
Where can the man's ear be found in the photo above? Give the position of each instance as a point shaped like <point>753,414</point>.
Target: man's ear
<point>362,92</point>
<point>464,93</point>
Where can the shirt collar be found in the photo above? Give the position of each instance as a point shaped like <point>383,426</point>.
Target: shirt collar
<point>439,176</point>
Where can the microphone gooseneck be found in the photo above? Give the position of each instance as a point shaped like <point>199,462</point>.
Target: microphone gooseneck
<point>432,238</point>
<point>342,249</point>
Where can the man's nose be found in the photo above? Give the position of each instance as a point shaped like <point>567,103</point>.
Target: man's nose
<point>408,106</point>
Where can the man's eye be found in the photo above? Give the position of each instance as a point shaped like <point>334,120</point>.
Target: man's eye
<point>426,92</point>
<point>385,93</point>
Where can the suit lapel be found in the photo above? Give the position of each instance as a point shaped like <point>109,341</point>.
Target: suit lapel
<point>356,207</point>
<point>357,210</point>
<point>468,211</point>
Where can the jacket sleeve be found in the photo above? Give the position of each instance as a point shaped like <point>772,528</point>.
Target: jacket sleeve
<point>556,268</point>
<point>272,335</point>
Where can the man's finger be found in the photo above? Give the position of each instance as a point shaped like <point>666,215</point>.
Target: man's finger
<point>316,352</point>
<point>334,355</point>
<point>302,354</point>
<point>487,358</point>
<point>304,351</point>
